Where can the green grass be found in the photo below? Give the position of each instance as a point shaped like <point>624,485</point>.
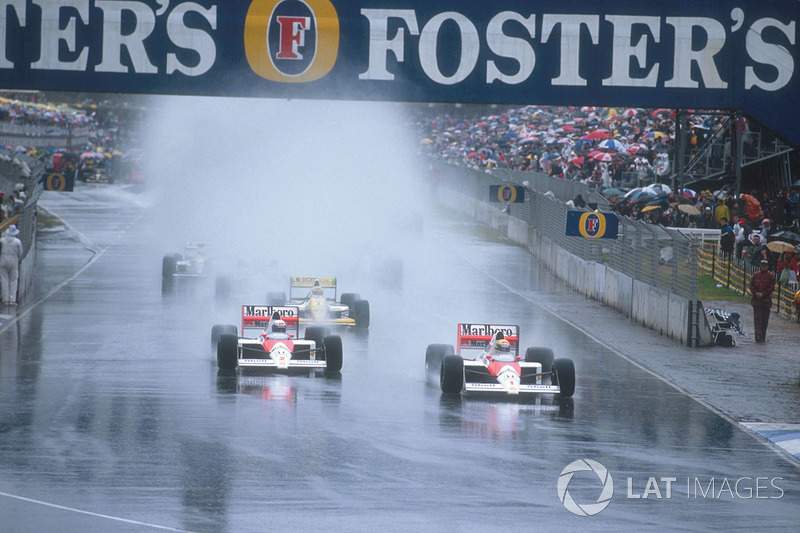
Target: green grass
<point>707,290</point>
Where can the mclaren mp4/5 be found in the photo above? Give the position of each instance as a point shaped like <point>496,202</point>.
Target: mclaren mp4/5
<point>487,360</point>
<point>274,343</point>
<point>320,306</point>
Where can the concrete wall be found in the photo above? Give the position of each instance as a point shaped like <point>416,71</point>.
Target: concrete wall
<point>649,306</point>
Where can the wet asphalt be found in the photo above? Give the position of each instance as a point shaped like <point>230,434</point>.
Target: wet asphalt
<point>113,416</point>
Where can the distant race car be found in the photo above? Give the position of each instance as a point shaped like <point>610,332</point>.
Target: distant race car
<point>190,264</point>
<point>275,343</point>
<point>488,361</point>
<point>320,307</point>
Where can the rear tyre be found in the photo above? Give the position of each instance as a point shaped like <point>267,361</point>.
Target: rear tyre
<point>333,354</point>
<point>362,314</point>
<point>227,351</point>
<point>349,299</point>
<point>168,266</point>
<point>543,356</point>
<point>434,356</point>
<point>451,378</point>
<point>222,289</point>
<point>564,376</point>
<point>222,329</point>
<point>276,298</point>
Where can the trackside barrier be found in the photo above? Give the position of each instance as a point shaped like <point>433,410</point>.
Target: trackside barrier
<point>734,274</point>
<point>648,274</point>
<point>16,167</point>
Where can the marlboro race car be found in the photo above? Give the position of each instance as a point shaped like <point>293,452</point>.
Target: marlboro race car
<point>320,308</point>
<point>275,344</point>
<point>488,361</point>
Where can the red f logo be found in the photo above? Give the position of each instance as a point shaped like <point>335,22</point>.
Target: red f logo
<point>591,225</point>
<point>293,35</point>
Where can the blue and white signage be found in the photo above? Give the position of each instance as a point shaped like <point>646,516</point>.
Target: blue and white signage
<point>706,54</point>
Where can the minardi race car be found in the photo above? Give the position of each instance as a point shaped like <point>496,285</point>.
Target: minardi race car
<point>275,343</point>
<point>191,263</point>
<point>320,307</point>
<point>488,361</point>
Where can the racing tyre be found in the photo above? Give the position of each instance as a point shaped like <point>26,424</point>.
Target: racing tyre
<point>317,334</point>
<point>222,329</point>
<point>222,289</point>
<point>451,378</point>
<point>333,354</point>
<point>564,376</point>
<point>276,298</point>
<point>434,356</point>
<point>362,314</point>
<point>227,348</point>
<point>349,299</point>
<point>543,356</point>
<point>168,266</point>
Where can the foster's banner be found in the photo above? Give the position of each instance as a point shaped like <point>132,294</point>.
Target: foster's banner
<point>692,54</point>
<point>592,225</point>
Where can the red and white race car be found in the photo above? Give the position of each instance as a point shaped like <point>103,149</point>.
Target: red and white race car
<point>487,361</point>
<point>275,343</point>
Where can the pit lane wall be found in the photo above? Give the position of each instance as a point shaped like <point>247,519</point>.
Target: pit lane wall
<point>656,308</point>
<point>18,168</point>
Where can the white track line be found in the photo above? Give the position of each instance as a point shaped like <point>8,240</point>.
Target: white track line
<point>89,513</point>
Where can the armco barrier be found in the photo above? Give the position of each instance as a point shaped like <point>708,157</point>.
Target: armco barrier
<point>654,307</point>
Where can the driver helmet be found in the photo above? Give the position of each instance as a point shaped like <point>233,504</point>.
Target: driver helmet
<point>317,290</point>
<point>278,326</point>
<point>502,346</point>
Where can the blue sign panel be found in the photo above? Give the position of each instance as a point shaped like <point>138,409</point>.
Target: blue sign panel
<point>692,54</point>
<point>509,194</point>
<point>592,225</point>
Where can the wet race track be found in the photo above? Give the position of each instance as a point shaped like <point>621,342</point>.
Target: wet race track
<point>113,416</point>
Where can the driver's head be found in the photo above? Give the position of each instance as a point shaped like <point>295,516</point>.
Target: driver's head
<point>502,346</point>
<point>278,326</point>
<point>317,290</point>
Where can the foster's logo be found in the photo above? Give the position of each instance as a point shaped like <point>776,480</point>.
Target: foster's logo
<point>291,41</point>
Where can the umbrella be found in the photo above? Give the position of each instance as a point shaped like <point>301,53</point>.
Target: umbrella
<point>597,134</point>
<point>654,135</point>
<point>611,144</point>
<point>689,209</point>
<point>611,191</point>
<point>658,201</point>
<point>649,208</point>
<point>603,157</point>
<point>796,183</point>
<point>780,246</point>
<point>787,236</point>
<point>577,161</point>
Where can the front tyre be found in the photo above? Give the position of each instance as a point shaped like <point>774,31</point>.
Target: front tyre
<point>543,356</point>
<point>564,376</point>
<point>333,354</point>
<point>451,378</point>
<point>227,351</point>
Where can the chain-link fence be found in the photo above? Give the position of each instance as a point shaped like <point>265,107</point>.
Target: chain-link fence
<point>646,252</point>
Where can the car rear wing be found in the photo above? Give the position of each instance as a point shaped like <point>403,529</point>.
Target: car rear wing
<point>257,317</point>
<point>476,336</point>
<point>305,282</point>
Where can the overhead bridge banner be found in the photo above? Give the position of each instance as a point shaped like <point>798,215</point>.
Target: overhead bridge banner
<point>710,54</point>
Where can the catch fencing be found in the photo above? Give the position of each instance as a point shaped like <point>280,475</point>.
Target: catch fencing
<point>648,265</point>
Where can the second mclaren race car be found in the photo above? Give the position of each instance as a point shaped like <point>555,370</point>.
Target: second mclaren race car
<point>273,342</point>
<point>487,360</point>
<point>319,306</point>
